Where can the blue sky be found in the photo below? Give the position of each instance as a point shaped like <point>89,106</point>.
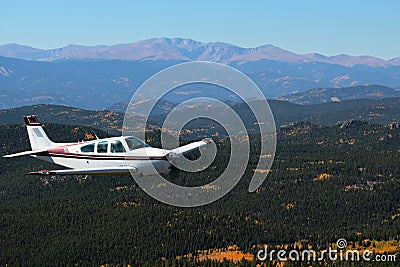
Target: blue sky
<point>353,27</point>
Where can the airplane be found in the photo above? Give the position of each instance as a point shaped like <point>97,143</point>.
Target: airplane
<point>109,156</point>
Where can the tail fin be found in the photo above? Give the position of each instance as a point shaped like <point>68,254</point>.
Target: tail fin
<point>37,136</point>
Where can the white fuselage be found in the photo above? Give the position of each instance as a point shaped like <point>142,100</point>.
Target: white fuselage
<point>110,152</point>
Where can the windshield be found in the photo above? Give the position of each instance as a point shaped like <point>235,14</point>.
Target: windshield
<point>134,143</point>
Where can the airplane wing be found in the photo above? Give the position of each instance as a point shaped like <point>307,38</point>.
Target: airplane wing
<point>122,170</point>
<point>24,153</point>
<point>187,148</point>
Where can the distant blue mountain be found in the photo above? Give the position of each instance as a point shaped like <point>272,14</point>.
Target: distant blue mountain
<point>324,95</point>
<point>92,85</point>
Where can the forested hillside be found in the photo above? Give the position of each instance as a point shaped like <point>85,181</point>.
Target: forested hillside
<point>326,183</point>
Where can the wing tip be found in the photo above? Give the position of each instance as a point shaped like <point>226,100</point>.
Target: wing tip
<point>207,140</point>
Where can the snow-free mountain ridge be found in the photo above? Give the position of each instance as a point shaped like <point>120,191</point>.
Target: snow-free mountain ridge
<point>185,49</point>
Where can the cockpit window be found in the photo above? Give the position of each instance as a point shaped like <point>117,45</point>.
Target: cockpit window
<point>102,147</point>
<point>87,148</point>
<point>134,143</point>
<point>117,147</point>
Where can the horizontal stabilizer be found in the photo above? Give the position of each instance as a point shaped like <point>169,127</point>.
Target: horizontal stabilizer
<point>25,153</point>
<point>123,170</point>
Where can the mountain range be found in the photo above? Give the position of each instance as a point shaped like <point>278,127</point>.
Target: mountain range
<point>185,49</point>
<point>98,77</point>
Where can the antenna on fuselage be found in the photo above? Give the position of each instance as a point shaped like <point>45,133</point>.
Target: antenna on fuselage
<point>95,135</point>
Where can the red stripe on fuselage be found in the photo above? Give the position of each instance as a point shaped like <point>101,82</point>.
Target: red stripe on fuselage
<point>105,157</point>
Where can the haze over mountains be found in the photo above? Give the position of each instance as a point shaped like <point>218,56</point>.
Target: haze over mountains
<point>97,77</point>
